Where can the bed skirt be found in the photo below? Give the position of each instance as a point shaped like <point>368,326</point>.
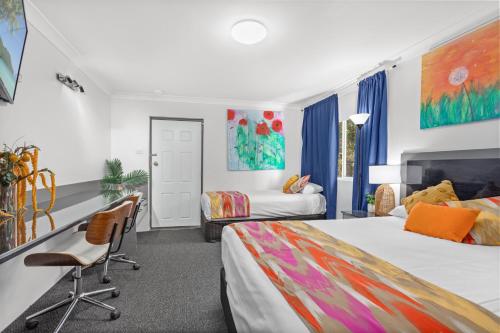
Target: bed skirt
<point>212,230</point>
<point>228,316</point>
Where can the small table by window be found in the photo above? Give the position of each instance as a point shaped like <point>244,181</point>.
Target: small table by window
<point>355,214</point>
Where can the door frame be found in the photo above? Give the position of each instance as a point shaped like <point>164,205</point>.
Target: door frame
<point>150,190</point>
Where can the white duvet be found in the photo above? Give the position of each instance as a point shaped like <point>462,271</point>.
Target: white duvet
<point>275,203</point>
<point>470,271</point>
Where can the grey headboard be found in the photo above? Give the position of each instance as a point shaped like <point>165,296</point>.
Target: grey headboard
<point>472,172</point>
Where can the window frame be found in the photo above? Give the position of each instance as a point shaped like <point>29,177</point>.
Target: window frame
<point>344,152</point>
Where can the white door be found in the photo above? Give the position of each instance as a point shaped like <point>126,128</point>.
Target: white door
<point>176,173</point>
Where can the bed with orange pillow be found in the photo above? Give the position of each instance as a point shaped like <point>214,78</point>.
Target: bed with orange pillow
<point>416,273</point>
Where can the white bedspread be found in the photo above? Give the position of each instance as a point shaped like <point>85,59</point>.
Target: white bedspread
<point>274,203</point>
<point>471,271</point>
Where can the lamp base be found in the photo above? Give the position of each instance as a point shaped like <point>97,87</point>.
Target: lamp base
<point>384,200</point>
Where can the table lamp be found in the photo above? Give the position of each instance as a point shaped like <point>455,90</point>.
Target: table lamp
<point>384,195</point>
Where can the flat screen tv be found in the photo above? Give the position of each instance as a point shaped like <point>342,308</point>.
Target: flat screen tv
<point>13,32</point>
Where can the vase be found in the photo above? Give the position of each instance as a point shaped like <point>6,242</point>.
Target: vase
<point>7,218</point>
<point>371,208</point>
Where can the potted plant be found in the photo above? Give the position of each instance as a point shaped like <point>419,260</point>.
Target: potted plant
<point>116,182</point>
<point>370,199</point>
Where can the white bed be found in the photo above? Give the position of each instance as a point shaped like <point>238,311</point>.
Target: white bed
<point>470,271</point>
<point>275,203</point>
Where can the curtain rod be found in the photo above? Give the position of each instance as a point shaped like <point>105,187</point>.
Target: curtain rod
<point>384,65</point>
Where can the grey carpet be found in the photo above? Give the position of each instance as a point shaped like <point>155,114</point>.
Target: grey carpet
<point>176,290</point>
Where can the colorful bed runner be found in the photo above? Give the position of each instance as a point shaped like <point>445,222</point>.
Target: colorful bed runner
<point>228,204</point>
<point>336,287</point>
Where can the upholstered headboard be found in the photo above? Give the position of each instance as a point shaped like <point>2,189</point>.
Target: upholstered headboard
<point>472,172</point>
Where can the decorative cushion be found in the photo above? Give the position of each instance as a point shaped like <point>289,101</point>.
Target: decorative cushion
<point>399,211</point>
<point>289,182</point>
<point>433,195</point>
<point>486,230</point>
<point>312,188</point>
<point>299,184</point>
<point>441,221</point>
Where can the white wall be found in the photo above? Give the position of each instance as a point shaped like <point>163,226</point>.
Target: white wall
<point>404,120</point>
<point>404,133</point>
<point>130,142</point>
<point>73,131</point>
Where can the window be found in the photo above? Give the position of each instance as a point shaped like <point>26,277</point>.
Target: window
<point>347,141</point>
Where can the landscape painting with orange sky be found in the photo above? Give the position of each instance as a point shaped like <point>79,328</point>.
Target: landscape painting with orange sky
<point>460,80</point>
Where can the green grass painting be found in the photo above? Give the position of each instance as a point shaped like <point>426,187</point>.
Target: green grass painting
<point>460,80</point>
<point>255,140</point>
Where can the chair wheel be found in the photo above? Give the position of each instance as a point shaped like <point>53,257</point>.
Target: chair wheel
<point>106,279</point>
<point>70,294</point>
<point>115,314</point>
<point>115,293</point>
<point>136,267</point>
<point>31,324</point>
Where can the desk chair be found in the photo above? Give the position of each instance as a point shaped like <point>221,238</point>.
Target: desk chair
<point>83,249</point>
<point>122,257</point>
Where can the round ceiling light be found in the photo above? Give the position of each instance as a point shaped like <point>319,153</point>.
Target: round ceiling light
<point>248,32</point>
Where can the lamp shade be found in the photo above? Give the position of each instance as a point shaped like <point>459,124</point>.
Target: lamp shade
<point>384,174</point>
<point>359,119</point>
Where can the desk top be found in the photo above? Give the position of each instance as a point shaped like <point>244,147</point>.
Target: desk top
<point>43,227</point>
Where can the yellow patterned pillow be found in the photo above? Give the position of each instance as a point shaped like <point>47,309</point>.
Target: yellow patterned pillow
<point>289,182</point>
<point>486,230</point>
<point>432,195</point>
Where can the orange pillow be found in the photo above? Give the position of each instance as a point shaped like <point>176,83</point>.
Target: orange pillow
<point>441,221</point>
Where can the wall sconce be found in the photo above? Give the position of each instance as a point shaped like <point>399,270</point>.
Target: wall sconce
<point>69,82</point>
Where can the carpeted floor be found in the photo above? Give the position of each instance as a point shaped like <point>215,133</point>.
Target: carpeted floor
<point>176,290</point>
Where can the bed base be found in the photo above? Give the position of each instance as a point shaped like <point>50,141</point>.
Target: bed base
<point>228,316</point>
<point>212,230</point>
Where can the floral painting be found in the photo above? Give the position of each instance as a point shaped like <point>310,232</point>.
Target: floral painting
<point>255,140</point>
<point>460,80</point>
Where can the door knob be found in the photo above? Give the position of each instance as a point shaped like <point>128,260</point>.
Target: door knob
<point>155,163</point>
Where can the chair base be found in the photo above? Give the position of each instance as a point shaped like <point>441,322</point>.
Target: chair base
<point>74,297</point>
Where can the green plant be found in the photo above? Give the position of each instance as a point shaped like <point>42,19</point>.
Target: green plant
<point>370,199</point>
<point>115,181</point>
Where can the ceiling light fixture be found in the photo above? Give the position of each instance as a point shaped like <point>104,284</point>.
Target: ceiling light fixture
<point>248,32</point>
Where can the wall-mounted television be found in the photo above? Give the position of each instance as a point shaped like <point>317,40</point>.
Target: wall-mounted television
<point>13,32</point>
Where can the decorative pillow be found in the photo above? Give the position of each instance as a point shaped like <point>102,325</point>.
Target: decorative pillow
<point>441,221</point>
<point>399,211</point>
<point>486,230</point>
<point>289,182</point>
<point>299,184</point>
<point>433,195</point>
<point>312,188</point>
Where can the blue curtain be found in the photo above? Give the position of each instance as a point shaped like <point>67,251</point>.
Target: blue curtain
<point>320,143</point>
<point>372,99</point>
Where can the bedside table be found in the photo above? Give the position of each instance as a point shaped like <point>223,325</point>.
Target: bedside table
<point>355,214</point>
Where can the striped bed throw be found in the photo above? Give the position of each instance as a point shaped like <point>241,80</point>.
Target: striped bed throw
<point>228,204</point>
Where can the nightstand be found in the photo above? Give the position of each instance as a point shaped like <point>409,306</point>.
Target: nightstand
<point>355,214</point>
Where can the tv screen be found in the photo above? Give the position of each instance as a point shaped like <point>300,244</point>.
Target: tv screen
<point>13,32</point>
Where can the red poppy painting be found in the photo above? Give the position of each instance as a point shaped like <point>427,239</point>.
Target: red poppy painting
<point>256,140</point>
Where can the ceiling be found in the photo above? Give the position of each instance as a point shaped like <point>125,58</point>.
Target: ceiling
<point>184,48</point>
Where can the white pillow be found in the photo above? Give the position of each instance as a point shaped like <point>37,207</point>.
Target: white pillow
<point>399,211</point>
<point>312,188</point>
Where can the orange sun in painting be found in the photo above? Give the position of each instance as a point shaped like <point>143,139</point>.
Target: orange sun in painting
<point>468,60</point>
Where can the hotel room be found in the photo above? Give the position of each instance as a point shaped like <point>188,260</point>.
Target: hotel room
<point>249,166</point>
